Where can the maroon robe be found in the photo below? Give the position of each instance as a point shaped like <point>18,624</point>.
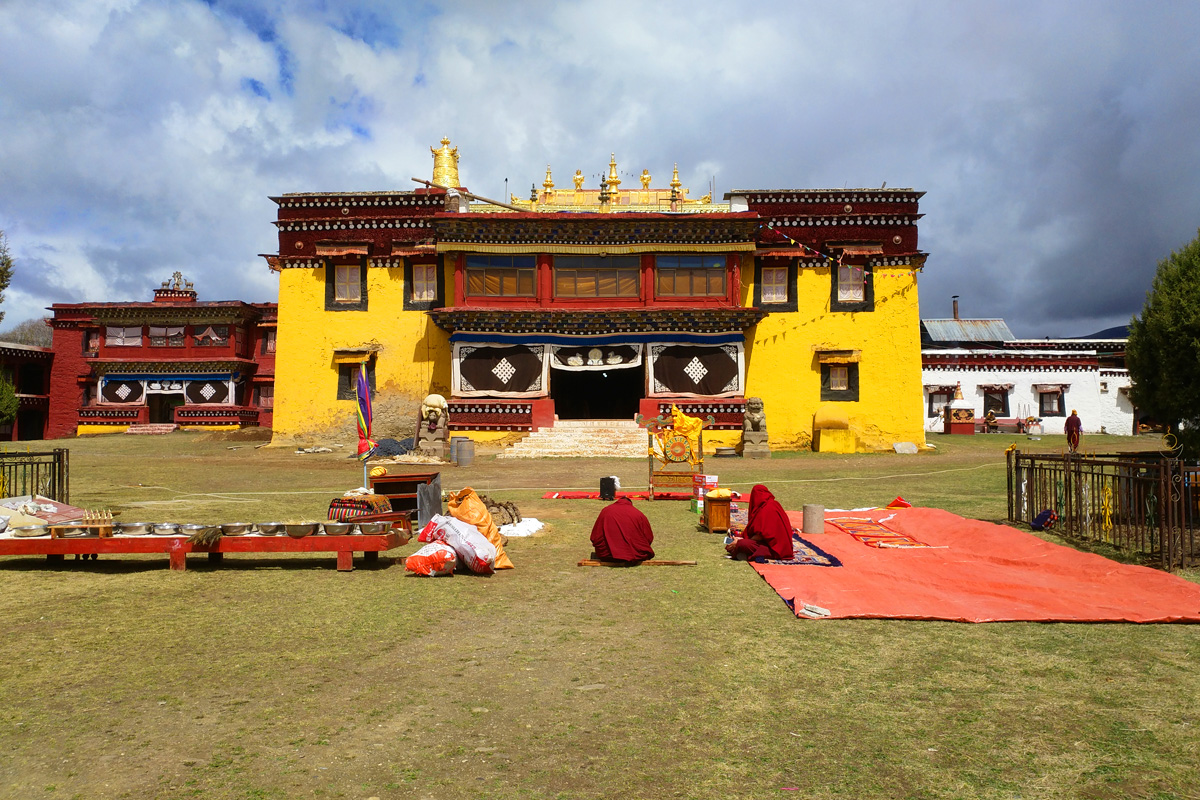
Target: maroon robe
<point>622,533</point>
<point>1073,428</point>
<point>768,532</point>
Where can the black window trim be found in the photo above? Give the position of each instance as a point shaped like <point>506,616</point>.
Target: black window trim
<point>868,301</point>
<point>849,394</point>
<point>791,304</point>
<point>331,303</point>
<point>438,300</point>
<point>346,372</point>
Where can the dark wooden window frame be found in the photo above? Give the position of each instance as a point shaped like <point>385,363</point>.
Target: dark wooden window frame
<point>439,293</point>
<point>791,304</point>
<point>868,301</point>
<point>331,302</point>
<point>849,394</point>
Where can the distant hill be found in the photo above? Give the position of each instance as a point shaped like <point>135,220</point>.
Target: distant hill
<point>1118,332</point>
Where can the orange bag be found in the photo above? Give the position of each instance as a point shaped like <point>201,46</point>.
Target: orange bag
<point>467,506</point>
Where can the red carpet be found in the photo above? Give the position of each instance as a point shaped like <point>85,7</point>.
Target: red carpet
<point>975,571</point>
<point>631,495</point>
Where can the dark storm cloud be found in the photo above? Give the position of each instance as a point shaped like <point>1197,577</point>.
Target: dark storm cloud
<point>1055,141</point>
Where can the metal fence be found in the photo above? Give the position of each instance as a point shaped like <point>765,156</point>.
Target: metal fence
<point>1146,505</point>
<point>47,474</point>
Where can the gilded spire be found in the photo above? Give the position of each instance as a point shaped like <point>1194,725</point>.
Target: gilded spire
<point>548,184</point>
<point>675,182</point>
<point>613,181</point>
<point>445,165</point>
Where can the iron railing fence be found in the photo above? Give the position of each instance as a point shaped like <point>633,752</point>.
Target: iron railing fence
<point>47,474</point>
<point>1147,505</point>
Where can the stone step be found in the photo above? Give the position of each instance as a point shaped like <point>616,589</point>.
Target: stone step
<point>152,429</point>
<point>582,439</point>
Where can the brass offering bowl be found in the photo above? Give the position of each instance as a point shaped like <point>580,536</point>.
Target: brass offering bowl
<point>298,530</point>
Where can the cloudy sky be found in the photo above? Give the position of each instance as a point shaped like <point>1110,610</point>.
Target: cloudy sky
<point>1057,142</point>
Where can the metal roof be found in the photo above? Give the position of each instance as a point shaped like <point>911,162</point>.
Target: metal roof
<point>965,330</point>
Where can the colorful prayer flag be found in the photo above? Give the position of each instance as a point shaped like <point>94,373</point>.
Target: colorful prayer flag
<point>362,388</point>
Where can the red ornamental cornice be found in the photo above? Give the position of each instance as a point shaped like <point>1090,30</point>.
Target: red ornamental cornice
<point>617,229</point>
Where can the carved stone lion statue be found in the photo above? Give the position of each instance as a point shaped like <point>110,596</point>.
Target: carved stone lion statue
<point>754,430</point>
<point>432,426</point>
<point>754,418</point>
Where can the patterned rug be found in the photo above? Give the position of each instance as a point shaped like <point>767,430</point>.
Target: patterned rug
<point>804,553</point>
<point>873,533</point>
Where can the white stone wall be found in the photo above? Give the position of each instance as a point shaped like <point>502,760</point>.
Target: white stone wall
<point>1110,410</point>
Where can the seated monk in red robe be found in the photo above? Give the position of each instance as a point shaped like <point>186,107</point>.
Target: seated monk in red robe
<point>768,532</point>
<point>622,533</point>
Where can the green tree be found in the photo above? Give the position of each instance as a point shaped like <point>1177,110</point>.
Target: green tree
<point>1163,353</point>
<point>8,400</point>
<point>31,331</point>
<point>6,268</point>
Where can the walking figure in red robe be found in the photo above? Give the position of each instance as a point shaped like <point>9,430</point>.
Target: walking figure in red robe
<point>1073,429</point>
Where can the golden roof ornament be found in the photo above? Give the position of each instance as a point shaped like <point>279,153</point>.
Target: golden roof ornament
<point>675,182</point>
<point>578,178</point>
<point>645,179</point>
<point>958,391</point>
<point>548,184</point>
<point>445,165</point>
<point>613,181</point>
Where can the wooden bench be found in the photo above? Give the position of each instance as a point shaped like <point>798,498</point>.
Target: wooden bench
<point>1001,425</point>
<point>177,547</point>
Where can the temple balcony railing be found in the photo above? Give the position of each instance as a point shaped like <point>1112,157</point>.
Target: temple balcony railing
<point>113,415</point>
<point>222,415</point>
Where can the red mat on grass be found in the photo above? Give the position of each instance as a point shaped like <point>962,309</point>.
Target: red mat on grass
<point>631,495</point>
<point>976,572</point>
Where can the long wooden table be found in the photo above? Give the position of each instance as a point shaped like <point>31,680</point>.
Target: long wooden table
<point>177,547</point>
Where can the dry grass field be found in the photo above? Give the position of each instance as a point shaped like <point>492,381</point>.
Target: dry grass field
<point>282,678</point>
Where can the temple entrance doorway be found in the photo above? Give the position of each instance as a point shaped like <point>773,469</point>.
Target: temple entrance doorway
<point>162,407</point>
<point>597,394</point>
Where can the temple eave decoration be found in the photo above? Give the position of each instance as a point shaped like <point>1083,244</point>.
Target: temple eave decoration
<point>598,322</point>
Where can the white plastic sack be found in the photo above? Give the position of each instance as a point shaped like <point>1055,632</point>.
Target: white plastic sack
<point>434,559</point>
<point>473,548</point>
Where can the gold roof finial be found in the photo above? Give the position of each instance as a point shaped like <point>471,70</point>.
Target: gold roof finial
<point>578,178</point>
<point>675,182</point>
<point>445,165</point>
<point>613,181</point>
<point>645,179</point>
<point>548,184</point>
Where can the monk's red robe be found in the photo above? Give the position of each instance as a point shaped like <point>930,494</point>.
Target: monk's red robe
<point>768,532</point>
<point>622,533</point>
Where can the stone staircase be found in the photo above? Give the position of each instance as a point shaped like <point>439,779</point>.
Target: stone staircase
<point>583,438</point>
<point>152,429</point>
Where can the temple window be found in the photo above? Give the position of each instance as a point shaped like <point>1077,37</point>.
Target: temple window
<point>853,288</point>
<point>774,284</point>
<point>690,275</point>
<point>424,283</point>
<point>266,396</point>
<point>212,336</point>
<point>839,382</point>
<point>596,276</point>
<point>162,336</point>
<point>938,401</point>
<point>995,400</point>
<point>1050,404</point>
<point>268,340</point>
<point>91,341</point>
<point>500,276</point>
<point>118,336</point>
<point>345,287</point>
<point>346,284</point>
<point>348,380</point>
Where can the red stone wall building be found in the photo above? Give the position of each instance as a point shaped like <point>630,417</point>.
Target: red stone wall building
<point>174,360</point>
<point>27,368</point>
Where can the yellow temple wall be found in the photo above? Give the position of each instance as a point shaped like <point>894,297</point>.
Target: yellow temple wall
<point>782,366</point>
<point>411,357</point>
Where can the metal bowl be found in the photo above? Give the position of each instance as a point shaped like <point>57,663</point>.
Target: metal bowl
<point>374,527</point>
<point>235,528</point>
<point>31,530</point>
<point>270,528</point>
<point>132,528</point>
<point>74,532</point>
<point>337,527</point>
<point>194,528</point>
<point>166,529</point>
<point>298,530</point>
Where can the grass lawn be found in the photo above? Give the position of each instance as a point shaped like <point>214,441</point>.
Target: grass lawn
<point>282,678</point>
